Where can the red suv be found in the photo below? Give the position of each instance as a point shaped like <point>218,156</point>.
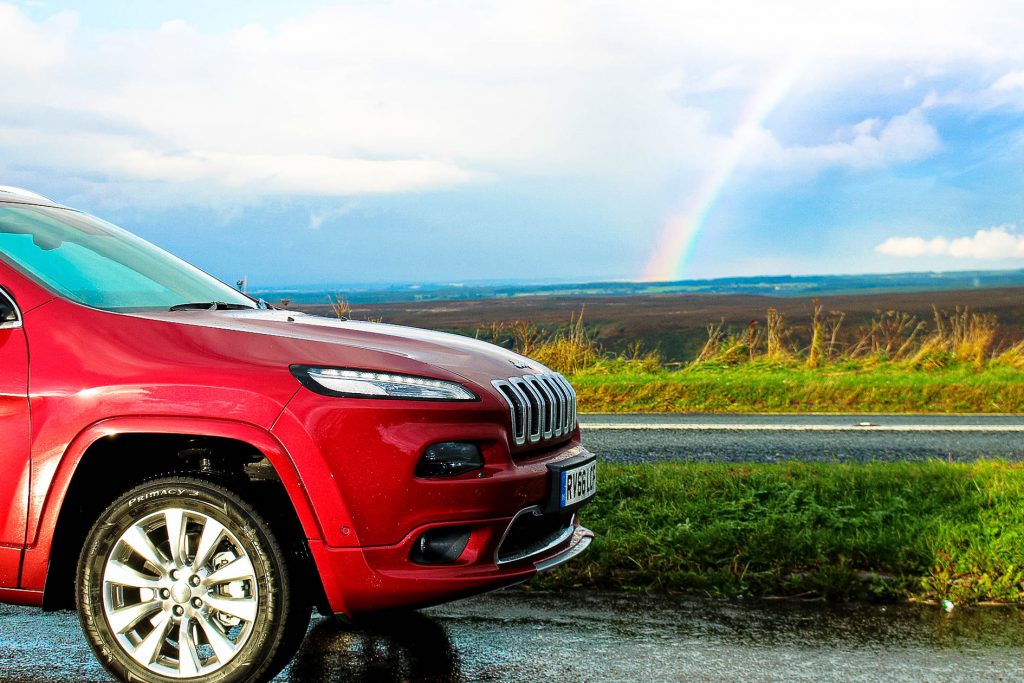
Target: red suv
<point>193,470</point>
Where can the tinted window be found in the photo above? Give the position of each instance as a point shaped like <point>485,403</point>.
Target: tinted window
<point>98,264</point>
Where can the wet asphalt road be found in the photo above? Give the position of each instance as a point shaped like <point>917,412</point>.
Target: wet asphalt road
<point>524,636</point>
<point>771,438</point>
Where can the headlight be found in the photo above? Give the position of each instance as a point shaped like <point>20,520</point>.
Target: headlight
<point>368,384</point>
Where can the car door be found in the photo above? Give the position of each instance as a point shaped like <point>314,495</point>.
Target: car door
<point>14,439</point>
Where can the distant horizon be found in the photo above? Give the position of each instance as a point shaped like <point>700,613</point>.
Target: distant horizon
<point>778,286</point>
<point>625,281</point>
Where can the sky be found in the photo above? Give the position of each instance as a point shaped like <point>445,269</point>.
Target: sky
<point>439,141</point>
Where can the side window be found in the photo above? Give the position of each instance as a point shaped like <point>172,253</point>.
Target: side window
<point>10,317</point>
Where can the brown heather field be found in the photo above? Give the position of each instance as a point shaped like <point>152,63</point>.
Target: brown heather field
<point>676,325</point>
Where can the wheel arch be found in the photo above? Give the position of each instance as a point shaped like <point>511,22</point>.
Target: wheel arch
<point>77,492</point>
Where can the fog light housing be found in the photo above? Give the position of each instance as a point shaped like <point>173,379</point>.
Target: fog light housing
<point>448,459</point>
<point>440,546</point>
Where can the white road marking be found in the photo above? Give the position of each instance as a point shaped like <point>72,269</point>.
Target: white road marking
<point>743,427</point>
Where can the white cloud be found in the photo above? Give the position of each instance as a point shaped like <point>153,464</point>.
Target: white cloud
<point>411,96</point>
<point>1005,91</point>
<point>29,46</point>
<point>319,217</point>
<point>871,143</point>
<point>208,172</point>
<point>1013,80</point>
<point>999,242</point>
<point>289,174</point>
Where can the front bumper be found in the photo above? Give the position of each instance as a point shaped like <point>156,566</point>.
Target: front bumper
<point>373,510</point>
<point>358,581</point>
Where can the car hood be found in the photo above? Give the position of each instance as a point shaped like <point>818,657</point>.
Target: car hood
<point>299,338</point>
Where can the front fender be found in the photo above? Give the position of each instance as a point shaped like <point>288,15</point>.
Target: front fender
<point>40,536</point>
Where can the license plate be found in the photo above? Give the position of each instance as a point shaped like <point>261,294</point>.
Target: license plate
<point>578,483</point>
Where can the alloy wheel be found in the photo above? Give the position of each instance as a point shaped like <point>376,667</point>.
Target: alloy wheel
<point>180,593</point>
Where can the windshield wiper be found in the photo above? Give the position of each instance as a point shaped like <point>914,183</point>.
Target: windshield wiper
<point>210,306</point>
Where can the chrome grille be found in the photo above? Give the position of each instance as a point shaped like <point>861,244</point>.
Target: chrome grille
<point>542,407</point>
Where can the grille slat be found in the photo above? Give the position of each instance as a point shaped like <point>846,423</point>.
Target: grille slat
<point>542,407</point>
<point>545,408</point>
<point>517,404</point>
<point>533,413</point>
<point>572,398</point>
<point>561,405</point>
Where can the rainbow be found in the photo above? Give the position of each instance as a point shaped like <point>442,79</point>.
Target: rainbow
<point>682,228</point>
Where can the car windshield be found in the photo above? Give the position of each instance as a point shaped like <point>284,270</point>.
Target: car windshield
<point>98,264</point>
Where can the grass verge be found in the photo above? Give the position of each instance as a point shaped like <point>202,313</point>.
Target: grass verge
<point>897,363</point>
<point>767,387</point>
<point>927,531</point>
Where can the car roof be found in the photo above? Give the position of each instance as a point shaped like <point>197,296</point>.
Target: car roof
<point>17,195</point>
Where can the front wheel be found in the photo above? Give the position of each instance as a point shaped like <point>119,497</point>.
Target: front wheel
<point>182,579</point>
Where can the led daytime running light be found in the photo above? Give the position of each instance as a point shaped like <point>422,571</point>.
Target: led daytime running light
<point>387,385</point>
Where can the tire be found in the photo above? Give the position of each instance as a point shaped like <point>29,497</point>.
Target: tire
<point>225,590</point>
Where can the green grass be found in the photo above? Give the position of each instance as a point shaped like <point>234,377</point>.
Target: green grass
<point>767,387</point>
<point>927,531</point>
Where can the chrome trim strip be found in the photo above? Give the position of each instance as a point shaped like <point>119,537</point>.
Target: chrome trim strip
<point>556,404</point>
<point>562,422</point>
<point>537,511</point>
<point>566,402</point>
<point>527,420</point>
<point>500,385</point>
<point>11,324</point>
<point>536,420</point>
<point>586,536</point>
<point>547,405</point>
<point>572,401</point>
<point>23,193</point>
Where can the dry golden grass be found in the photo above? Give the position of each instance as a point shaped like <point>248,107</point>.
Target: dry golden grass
<point>730,349</point>
<point>567,350</point>
<point>890,335</point>
<point>570,349</point>
<point>960,337</point>
<point>340,307</point>
<point>1012,356</point>
<point>816,352</point>
<point>777,337</point>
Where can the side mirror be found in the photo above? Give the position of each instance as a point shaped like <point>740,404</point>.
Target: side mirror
<point>9,316</point>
